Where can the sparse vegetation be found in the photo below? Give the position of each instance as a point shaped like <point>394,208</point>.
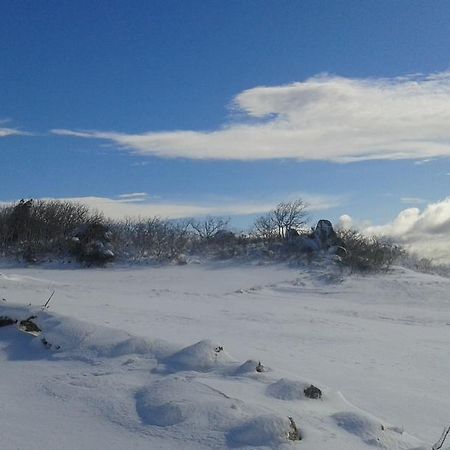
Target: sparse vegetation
<point>208,228</point>
<point>33,229</point>
<point>279,222</point>
<point>367,254</point>
<point>37,230</point>
<point>151,239</point>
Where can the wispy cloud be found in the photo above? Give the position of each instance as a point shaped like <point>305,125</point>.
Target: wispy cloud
<point>427,232</point>
<point>133,197</point>
<point>4,132</point>
<point>413,200</point>
<point>420,162</point>
<point>140,204</point>
<point>322,118</point>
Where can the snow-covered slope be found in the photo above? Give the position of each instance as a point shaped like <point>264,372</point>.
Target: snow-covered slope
<point>136,359</point>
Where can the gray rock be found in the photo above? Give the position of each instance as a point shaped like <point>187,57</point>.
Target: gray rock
<point>313,392</point>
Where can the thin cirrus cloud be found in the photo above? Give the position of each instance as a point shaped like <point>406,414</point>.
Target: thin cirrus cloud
<point>322,118</point>
<point>412,200</point>
<point>133,197</point>
<point>135,205</point>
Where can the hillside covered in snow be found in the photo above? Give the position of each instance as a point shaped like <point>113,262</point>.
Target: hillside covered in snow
<point>220,356</point>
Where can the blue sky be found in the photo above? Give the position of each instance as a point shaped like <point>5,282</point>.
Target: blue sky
<point>227,107</point>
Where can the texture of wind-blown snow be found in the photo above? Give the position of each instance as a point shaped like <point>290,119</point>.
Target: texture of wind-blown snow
<point>130,366</point>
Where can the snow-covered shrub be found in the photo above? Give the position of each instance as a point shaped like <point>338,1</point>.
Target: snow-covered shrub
<point>91,244</point>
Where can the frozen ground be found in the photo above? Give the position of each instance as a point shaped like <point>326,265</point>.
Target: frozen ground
<point>136,366</point>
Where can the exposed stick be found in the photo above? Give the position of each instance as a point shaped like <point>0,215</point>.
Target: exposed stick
<point>441,440</point>
<point>48,301</point>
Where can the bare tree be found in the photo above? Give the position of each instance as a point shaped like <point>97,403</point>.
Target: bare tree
<point>290,215</point>
<point>209,226</point>
<point>284,217</point>
<point>265,227</point>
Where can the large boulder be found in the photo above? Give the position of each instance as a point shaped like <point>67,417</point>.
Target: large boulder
<point>325,234</point>
<point>322,238</point>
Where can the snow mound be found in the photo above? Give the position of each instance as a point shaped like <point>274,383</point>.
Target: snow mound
<point>201,357</point>
<point>77,339</point>
<point>285,389</point>
<point>267,430</point>
<point>248,367</point>
<point>372,432</point>
<point>88,339</point>
<point>360,426</point>
<point>171,401</point>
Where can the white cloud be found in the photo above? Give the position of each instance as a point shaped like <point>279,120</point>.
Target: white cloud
<point>4,132</point>
<point>118,208</point>
<point>412,200</point>
<point>141,204</point>
<point>426,232</point>
<point>133,197</point>
<point>322,118</point>
<point>420,162</point>
<point>345,222</point>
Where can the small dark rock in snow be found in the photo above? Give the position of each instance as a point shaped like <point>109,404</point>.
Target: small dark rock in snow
<point>49,346</point>
<point>313,392</point>
<point>5,321</point>
<point>29,326</point>
<point>260,368</point>
<point>45,343</point>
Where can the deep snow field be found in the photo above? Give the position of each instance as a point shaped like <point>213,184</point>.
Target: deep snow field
<point>133,362</point>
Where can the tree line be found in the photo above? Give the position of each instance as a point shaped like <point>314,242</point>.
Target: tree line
<point>42,230</point>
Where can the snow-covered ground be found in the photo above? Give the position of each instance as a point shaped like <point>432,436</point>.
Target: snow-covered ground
<point>135,361</point>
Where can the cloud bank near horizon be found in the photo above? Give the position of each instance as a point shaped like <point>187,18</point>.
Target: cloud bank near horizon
<point>425,232</point>
<point>325,117</point>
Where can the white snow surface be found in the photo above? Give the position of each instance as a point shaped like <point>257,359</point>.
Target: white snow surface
<point>165,358</point>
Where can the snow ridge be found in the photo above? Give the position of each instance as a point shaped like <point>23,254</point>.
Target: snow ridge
<point>162,396</point>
